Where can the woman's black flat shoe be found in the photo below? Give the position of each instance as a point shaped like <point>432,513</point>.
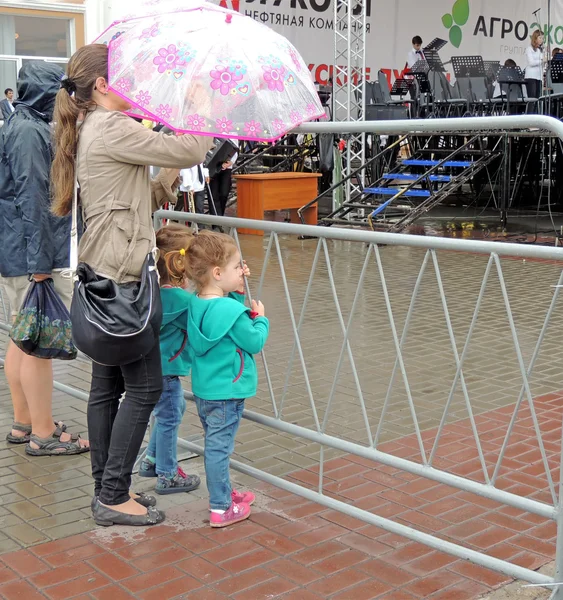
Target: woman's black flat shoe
<point>143,499</point>
<point>106,517</point>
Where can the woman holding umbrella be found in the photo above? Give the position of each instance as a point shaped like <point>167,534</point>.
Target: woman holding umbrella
<point>109,154</point>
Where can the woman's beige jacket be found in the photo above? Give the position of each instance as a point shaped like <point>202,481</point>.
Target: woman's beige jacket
<point>117,195</point>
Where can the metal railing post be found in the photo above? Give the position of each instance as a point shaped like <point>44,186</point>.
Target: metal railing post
<point>557,593</point>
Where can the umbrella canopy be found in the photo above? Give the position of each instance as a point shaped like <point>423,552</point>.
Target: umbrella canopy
<point>206,70</point>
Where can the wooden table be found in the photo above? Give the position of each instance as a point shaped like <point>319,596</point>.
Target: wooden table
<point>276,191</point>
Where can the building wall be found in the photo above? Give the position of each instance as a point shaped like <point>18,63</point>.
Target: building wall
<point>38,29</point>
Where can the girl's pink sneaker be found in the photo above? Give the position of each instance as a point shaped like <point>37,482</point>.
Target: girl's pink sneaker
<point>235,513</point>
<point>246,497</point>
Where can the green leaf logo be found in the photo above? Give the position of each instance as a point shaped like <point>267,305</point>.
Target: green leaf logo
<point>447,20</point>
<point>456,36</point>
<point>459,16</point>
<point>460,12</point>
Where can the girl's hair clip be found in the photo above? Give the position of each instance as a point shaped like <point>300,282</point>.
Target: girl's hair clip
<point>182,252</point>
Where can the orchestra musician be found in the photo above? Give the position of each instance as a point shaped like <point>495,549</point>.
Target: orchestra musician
<point>534,65</point>
<point>416,53</point>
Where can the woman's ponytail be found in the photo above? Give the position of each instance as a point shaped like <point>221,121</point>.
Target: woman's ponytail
<point>73,102</point>
<point>66,140</point>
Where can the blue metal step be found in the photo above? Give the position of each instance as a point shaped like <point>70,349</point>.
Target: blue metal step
<point>389,191</point>
<point>411,162</point>
<point>414,176</point>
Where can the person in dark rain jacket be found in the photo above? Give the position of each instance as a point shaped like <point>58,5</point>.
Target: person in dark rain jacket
<point>34,244</point>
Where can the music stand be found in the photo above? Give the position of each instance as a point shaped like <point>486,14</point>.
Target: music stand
<point>492,67</point>
<point>436,44</point>
<point>556,68</point>
<point>468,66</point>
<point>402,87</point>
<point>420,67</point>
<point>434,61</point>
<point>556,76</point>
<point>511,76</point>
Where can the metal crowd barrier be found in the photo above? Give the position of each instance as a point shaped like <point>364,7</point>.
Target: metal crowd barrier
<point>371,244</point>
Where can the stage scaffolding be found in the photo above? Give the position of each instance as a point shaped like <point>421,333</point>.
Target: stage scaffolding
<point>349,83</point>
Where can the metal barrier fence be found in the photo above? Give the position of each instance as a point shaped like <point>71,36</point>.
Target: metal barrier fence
<point>281,248</point>
<point>372,246</point>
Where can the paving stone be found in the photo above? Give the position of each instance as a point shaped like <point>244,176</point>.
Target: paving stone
<point>27,511</point>
<point>28,489</point>
<point>25,534</point>
<point>18,590</point>
<point>60,520</point>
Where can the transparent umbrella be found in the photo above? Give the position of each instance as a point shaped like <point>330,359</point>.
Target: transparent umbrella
<point>202,69</point>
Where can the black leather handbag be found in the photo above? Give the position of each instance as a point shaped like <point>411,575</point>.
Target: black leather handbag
<point>116,324</point>
<point>113,324</point>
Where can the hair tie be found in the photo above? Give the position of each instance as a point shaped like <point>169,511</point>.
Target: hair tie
<point>68,85</point>
<point>182,252</point>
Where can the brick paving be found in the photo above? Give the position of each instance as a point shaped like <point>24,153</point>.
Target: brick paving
<point>48,499</point>
<point>292,548</point>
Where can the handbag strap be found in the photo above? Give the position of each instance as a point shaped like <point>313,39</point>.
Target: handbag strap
<point>70,273</point>
<point>74,229</point>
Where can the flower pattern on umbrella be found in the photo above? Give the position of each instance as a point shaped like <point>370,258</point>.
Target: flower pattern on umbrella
<point>164,111</point>
<point>168,58</point>
<point>310,109</point>
<point>224,125</point>
<point>143,98</point>
<point>238,67</point>
<point>294,57</point>
<point>224,79</point>
<point>274,77</point>
<point>122,85</point>
<point>149,32</point>
<point>187,53</point>
<point>295,116</point>
<point>195,122</point>
<point>278,125</point>
<point>253,128</point>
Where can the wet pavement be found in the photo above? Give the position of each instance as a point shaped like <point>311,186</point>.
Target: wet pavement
<point>48,499</point>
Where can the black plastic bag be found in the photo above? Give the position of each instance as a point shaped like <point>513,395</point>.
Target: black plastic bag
<point>42,327</point>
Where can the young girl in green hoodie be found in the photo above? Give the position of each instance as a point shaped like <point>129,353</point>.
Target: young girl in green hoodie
<point>223,336</point>
<point>161,459</point>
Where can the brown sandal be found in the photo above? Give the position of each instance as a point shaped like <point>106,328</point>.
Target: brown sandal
<point>53,446</point>
<point>24,439</point>
<point>14,439</point>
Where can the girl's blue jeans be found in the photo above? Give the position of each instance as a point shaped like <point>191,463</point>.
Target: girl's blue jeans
<point>220,420</point>
<point>168,412</point>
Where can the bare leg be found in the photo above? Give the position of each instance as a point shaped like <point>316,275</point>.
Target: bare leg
<point>14,358</point>
<point>31,387</point>
<point>37,383</point>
